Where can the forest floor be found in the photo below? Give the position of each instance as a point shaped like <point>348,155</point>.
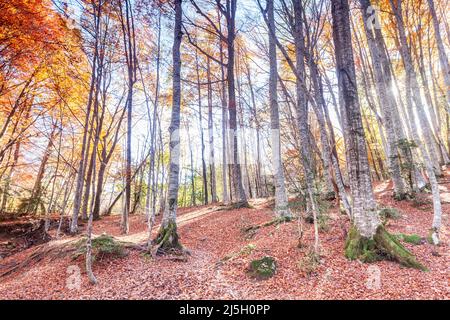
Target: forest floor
<point>220,253</point>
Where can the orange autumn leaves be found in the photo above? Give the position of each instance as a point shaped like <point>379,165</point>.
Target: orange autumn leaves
<point>28,28</point>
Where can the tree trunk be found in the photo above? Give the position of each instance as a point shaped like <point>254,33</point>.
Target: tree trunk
<point>225,194</point>
<point>212,165</point>
<point>445,68</point>
<point>302,117</point>
<point>202,140</point>
<point>129,42</point>
<point>238,188</point>
<point>35,201</point>
<point>367,237</point>
<point>83,157</point>
<point>429,154</point>
<point>281,200</point>
<point>167,238</point>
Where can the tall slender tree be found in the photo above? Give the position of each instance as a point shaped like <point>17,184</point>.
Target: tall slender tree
<point>281,201</point>
<point>129,42</point>
<point>167,238</point>
<point>97,13</point>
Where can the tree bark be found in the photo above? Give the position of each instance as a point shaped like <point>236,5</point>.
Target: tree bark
<point>83,158</point>
<point>167,238</point>
<point>367,239</point>
<point>281,200</point>
<point>235,166</point>
<point>202,140</point>
<point>212,164</point>
<point>445,67</point>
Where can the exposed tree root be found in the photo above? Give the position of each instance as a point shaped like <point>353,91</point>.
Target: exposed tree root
<point>400,196</point>
<point>240,205</point>
<point>22,235</point>
<point>42,251</point>
<point>246,250</point>
<point>410,238</point>
<point>275,221</point>
<point>382,246</point>
<point>167,240</point>
<point>235,206</point>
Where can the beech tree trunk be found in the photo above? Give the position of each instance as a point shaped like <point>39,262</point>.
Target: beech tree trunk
<point>127,22</point>
<point>212,164</point>
<point>363,205</point>
<point>445,67</point>
<point>367,239</point>
<point>281,200</point>
<point>302,117</point>
<point>235,166</point>
<point>202,140</point>
<point>225,195</point>
<point>167,238</point>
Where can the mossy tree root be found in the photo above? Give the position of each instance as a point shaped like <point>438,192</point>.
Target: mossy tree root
<point>168,240</point>
<point>400,196</point>
<point>276,221</point>
<point>382,246</point>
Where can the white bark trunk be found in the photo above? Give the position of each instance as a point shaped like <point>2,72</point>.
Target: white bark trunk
<point>170,212</point>
<point>281,200</point>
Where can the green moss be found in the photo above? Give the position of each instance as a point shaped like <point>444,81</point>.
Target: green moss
<point>357,247</point>
<point>382,246</point>
<point>263,268</point>
<point>168,239</point>
<point>410,238</point>
<point>393,249</point>
<point>102,246</point>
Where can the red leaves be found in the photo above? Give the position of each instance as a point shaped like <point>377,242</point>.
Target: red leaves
<point>213,235</point>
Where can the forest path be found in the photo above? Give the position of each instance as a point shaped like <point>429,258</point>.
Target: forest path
<point>181,221</point>
<point>185,219</point>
